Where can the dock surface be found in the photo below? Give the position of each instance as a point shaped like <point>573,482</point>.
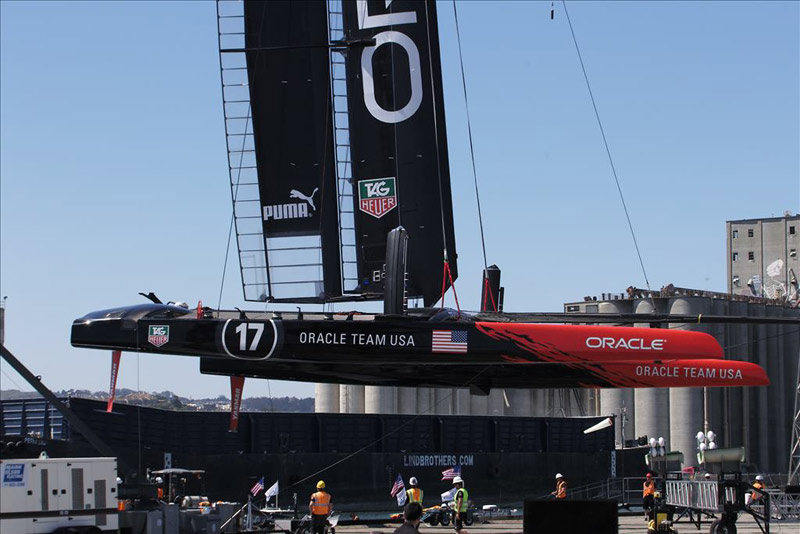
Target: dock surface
<point>627,525</point>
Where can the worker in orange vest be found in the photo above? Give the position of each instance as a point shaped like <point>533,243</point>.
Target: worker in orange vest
<point>561,487</point>
<point>758,484</point>
<point>648,492</point>
<point>320,508</point>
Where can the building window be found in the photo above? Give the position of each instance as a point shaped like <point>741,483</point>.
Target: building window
<point>793,253</point>
<point>735,256</point>
<point>751,256</point>
<point>749,232</point>
<point>791,230</point>
<point>735,234</point>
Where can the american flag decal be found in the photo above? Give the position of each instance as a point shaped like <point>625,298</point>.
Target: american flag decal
<point>449,341</point>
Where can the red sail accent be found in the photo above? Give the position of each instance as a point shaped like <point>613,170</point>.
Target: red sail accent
<point>237,385</point>
<point>685,373</point>
<point>112,388</point>
<point>578,343</point>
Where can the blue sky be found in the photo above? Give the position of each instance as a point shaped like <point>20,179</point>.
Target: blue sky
<point>113,177</point>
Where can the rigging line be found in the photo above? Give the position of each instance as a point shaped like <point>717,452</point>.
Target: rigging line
<point>605,143</point>
<point>389,433</point>
<point>469,131</point>
<point>234,191</point>
<point>139,412</point>
<point>436,132</point>
<point>394,134</point>
<point>235,194</point>
<point>761,338</point>
<point>11,379</point>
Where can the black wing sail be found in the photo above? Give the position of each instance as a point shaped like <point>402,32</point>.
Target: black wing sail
<point>283,173</point>
<point>398,140</point>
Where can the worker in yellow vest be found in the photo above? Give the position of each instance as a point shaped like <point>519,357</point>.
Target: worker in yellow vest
<point>320,508</point>
<point>414,493</point>
<point>460,505</point>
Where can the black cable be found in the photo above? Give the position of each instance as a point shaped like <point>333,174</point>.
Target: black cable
<point>436,136</point>
<point>608,151</point>
<point>387,434</point>
<point>469,131</point>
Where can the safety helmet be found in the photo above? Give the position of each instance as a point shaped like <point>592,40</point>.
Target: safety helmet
<point>657,495</point>
<point>458,480</point>
<point>649,475</point>
<point>559,475</point>
<point>413,481</point>
<point>321,484</point>
<point>707,475</point>
<point>759,477</point>
<point>159,480</point>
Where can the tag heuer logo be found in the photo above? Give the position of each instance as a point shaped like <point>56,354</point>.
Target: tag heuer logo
<point>377,197</point>
<point>157,335</point>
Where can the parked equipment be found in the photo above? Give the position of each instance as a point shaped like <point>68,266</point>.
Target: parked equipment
<point>41,495</point>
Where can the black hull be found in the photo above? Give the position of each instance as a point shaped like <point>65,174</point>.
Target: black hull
<point>425,350</point>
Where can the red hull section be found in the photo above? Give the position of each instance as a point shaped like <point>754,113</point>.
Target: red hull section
<point>678,373</point>
<point>580,343</point>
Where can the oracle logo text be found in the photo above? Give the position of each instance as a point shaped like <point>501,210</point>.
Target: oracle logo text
<point>634,343</point>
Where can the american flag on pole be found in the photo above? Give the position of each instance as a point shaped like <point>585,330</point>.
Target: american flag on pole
<point>451,473</point>
<point>258,487</point>
<point>449,341</point>
<point>398,486</point>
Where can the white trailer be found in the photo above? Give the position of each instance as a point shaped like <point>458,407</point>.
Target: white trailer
<point>46,495</point>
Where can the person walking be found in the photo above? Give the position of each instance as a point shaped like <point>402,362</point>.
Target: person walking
<point>460,505</point>
<point>414,493</point>
<point>412,515</point>
<point>320,508</point>
<point>648,491</point>
<point>561,487</point>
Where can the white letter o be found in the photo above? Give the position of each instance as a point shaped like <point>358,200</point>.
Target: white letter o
<point>414,102</point>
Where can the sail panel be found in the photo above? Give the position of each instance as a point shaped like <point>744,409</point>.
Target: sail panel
<point>274,59</point>
<point>398,140</point>
<point>287,66</point>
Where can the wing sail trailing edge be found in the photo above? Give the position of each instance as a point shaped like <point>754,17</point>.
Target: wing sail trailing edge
<point>401,173</point>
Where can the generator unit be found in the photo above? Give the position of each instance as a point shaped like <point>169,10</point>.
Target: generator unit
<point>43,495</point>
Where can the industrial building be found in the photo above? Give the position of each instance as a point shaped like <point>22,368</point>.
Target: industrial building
<point>762,256</point>
<point>760,419</point>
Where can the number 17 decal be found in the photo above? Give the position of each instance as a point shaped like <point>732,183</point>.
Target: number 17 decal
<point>249,340</point>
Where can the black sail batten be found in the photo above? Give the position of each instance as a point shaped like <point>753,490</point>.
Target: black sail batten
<point>398,141</point>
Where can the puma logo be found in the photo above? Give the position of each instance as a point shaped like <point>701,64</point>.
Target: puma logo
<point>294,193</point>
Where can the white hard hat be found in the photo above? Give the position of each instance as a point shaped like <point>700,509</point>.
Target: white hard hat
<point>413,481</point>
<point>458,480</point>
<point>707,475</point>
<point>759,477</point>
<point>159,480</point>
<point>559,475</point>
